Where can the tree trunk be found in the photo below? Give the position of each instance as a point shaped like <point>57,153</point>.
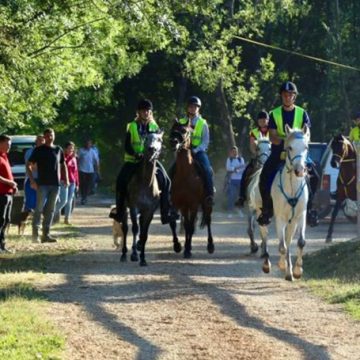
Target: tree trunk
<point>225,122</point>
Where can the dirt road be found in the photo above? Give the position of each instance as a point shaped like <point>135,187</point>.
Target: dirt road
<point>218,306</point>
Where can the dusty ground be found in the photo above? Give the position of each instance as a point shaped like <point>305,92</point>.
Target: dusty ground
<point>218,306</point>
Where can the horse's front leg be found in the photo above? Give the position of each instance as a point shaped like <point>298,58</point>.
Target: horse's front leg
<point>145,220</point>
<point>280,231</point>
<point>298,269</point>
<point>250,230</point>
<point>289,234</point>
<point>176,243</point>
<point>210,245</point>
<point>332,221</point>
<point>189,224</point>
<point>125,229</point>
<point>135,232</point>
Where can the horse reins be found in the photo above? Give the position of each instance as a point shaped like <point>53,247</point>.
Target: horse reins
<point>341,161</point>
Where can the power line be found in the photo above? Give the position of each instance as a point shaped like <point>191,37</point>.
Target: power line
<point>348,67</point>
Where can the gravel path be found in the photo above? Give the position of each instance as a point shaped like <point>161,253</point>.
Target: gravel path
<point>218,306</point>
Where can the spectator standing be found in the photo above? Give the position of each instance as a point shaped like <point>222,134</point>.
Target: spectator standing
<point>96,178</point>
<point>8,187</point>
<point>354,134</point>
<point>88,163</point>
<point>30,193</point>
<point>67,193</point>
<point>235,166</point>
<point>50,162</point>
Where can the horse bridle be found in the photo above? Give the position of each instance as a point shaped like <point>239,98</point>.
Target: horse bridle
<point>262,154</point>
<point>345,153</point>
<point>185,138</point>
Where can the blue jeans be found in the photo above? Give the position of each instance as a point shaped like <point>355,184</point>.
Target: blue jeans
<point>66,197</point>
<point>45,204</point>
<point>232,193</point>
<point>30,196</point>
<point>202,158</point>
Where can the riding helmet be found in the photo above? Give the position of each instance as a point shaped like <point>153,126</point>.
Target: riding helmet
<point>357,115</point>
<point>194,100</point>
<point>263,115</point>
<point>145,104</point>
<point>289,87</point>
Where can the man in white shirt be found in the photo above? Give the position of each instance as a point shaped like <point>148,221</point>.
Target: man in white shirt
<point>88,164</point>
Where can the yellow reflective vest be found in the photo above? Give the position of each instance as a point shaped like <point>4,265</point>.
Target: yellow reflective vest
<point>297,123</point>
<point>137,142</point>
<point>197,133</point>
<point>354,134</point>
<point>256,132</point>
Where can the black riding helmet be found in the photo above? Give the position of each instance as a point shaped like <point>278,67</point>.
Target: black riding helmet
<point>263,115</point>
<point>145,104</point>
<point>194,100</point>
<point>289,87</point>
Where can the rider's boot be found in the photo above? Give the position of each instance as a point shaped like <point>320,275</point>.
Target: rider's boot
<point>312,218</point>
<point>240,202</point>
<point>266,212</point>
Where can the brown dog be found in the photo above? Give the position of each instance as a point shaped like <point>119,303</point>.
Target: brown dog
<point>117,230</point>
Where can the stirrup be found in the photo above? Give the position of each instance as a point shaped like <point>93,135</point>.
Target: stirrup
<point>263,219</point>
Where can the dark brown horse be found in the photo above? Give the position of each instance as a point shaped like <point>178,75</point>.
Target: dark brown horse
<point>187,189</point>
<point>344,158</point>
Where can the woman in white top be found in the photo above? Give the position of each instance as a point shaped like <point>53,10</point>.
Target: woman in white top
<point>235,166</point>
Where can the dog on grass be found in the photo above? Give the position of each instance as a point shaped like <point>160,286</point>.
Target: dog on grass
<point>20,219</point>
<point>117,231</point>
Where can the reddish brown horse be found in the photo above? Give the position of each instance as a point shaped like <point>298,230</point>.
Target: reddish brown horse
<point>344,158</point>
<point>187,189</point>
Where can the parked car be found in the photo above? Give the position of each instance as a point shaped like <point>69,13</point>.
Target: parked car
<point>321,154</point>
<point>19,145</point>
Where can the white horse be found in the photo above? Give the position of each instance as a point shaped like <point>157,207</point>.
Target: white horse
<point>290,195</point>
<point>253,197</point>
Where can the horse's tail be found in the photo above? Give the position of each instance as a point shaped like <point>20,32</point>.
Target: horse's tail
<point>206,216</point>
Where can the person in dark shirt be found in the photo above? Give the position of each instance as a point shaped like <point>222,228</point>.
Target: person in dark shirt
<point>292,115</point>
<point>8,187</point>
<point>50,163</point>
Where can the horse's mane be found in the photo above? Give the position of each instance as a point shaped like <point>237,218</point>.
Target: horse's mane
<point>346,144</point>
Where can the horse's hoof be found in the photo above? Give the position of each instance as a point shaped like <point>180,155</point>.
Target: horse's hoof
<point>281,266</point>
<point>187,255</point>
<point>289,278</point>
<point>143,263</point>
<point>266,269</point>
<point>123,258</point>
<point>210,248</point>
<point>328,240</point>
<point>298,273</point>
<point>177,247</point>
<point>134,257</point>
<point>254,248</point>
<point>138,245</point>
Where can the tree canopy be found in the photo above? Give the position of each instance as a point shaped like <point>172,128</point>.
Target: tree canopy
<point>81,66</point>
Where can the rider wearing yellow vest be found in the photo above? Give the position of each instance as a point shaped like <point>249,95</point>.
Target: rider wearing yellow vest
<point>134,151</point>
<point>355,131</point>
<point>296,117</point>
<point>200,139</point>
<point>263,130</point>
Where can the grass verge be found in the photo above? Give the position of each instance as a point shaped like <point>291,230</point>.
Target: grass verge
<point>25,330</point>
<point>334,274</point>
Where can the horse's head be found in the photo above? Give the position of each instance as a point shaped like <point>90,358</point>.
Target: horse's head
<point>340,150</point>
<point>263,149</point>
<point>180,136</point>
<point>152,145</point>
<point>296,147</point>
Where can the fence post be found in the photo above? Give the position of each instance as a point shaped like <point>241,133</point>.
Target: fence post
<point>357,147</point>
